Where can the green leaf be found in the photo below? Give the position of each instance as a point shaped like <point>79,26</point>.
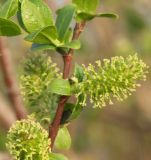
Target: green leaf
<point>83,16</point>
<point>71,112</point>
<point>19,18</point>
<point>64,18</point>
<point>107,15</point>
<point>68,109</point>
<point>88,6</point>
<point>54,156</point>
<point>89,16</point>
<point>76,112</point>
<point>35,15</point>
<point>38,37</point>
<point>46,35</point>
<point>75,44</point>
<point>9,9</point>
<point>63,139</point>
<point>41,47</point>
<point>60,86</point>
<point>86,10</point>
<point>8,28</point>
<point>68,36</point>
<point>78,72</point>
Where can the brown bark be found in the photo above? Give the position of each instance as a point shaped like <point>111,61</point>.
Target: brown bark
<point>54,127</point>
<point>10,81</point>
<point>7,117</point>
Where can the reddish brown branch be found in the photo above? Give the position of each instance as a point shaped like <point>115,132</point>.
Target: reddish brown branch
<point>7,117</point>
<point>54,127</point>
<point>77,31</point>
<point>67,65</point>
<point>10,80</point>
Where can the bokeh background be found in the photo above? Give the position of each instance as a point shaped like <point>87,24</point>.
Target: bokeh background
<point>121,131</point>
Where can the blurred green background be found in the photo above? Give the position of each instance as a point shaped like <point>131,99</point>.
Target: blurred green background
<point>121,131</point>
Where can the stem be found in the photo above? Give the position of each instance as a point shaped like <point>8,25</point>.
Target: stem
<point>67,65</point>
<point>5,112</point>
<point>54,127</point>
<point>10,81</point>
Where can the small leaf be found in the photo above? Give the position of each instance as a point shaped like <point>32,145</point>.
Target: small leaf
<point>38,37</point>
<point>78,72</point>
<point>9,9</point>
<point>68,36</point>
<point>8,28</point>
<point>54,156</point>
<point>35,15</point>
<point>64,18</point>
<point>76,112</point>
<point>71,112</point>
<point>88,6</point>
<point>60,86</point>
<point>63,139</point>
<point>89,16</point>
<point>75,44</point>
<point>85,16</point>
<point>19,18</point>
<point>44,35</point>
<point>68,109</point>
<point>107,15</point>
<point>41,47</point>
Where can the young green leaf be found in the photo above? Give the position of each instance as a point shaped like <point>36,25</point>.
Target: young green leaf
<point>54,156</point>
<point>63,139</point>
<point>88,16</point>
<point>38,37</point>
<point>88,6</point>
<point>8,28</point>
<point>41,47</point>
<point>86,10</point>
<point>107,15</point>
<point>83,16</point>
<point>71,112</point>
<point>19,18</point>
<point>79,72</point>
<point>60,86</point>
<point>46,35</point>
<point>75,44</point>
<point>64,18</point>
<point>35,15</point>
<point>68,109</point>
<point>68,36</point>
<point>9,9</point>
<point>76,112</point>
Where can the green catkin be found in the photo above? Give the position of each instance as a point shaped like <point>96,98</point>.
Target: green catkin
<point>27,140</point>
<point>38,72</point>
<point>114,78</point>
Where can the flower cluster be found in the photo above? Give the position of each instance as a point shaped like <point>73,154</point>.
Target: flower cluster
<point>38,72</point>
<point>115,78</point>
<point>27,140</point>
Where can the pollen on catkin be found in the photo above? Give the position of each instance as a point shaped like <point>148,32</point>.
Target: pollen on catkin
<point>27,140</point>
<point>112,78</point>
